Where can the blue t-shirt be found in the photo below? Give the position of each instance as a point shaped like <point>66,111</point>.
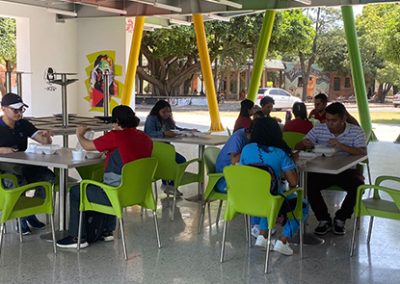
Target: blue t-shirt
<point>276,158</point>
<point>234,145</point>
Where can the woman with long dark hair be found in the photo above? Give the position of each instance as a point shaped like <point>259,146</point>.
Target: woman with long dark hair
<point>300,123</point>
<point>244,118</point>
<point>267,148</point>
<point>160,123</point>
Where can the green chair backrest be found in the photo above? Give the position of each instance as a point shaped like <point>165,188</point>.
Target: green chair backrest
<point>135,189</point>
<point>249,193</point>
<point>292,138</point>
<point>167,166</point>
<point>210,158</point>
<point>92,172</point>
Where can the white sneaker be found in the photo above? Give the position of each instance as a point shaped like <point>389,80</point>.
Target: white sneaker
<point>283,248</point>
<point>255,231</point>
<point>261,241</point>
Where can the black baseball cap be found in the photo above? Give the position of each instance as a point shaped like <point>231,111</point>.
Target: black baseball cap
<point>13,101</point>
<point>267,100</point>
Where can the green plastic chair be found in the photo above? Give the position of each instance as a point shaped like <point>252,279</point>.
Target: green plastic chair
<point>169,169</point>
<point>92,172</point>
<point>15,205</point>
<point>375,206</point>
<point>210,158</point>
<point>292,138</point>
<point>135,189</point>
<point>249,193</point>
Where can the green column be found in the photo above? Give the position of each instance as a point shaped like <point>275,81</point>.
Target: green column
<point>356,68</point>
<point>262,48</point>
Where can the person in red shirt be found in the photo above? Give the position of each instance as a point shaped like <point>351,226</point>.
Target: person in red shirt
<point>320,102</point>
<point>300,124</point>
<point>122,145</point>
<point>246,111</point>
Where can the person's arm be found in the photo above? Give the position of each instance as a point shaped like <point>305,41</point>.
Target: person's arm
<point>7,150</point>
<point>151,128</point>
<point>43,136</point>
<point>304,144</point>
<point>292,178</point>
<point>351,150</point>
<point>86,144</point>
<point>235,158</point>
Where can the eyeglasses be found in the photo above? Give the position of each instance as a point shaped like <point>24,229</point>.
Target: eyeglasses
<point>18,110</point>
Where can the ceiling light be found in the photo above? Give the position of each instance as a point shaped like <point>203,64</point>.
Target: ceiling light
<point>305,2</point>
<point>168,7</point>
<point>62,12</point>
<point>112,10</point>
<point>219,18</point>
<point>227,3</point>
<point>180,22</point>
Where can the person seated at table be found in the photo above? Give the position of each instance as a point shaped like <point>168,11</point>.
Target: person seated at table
<point>14,133</point>
<point>247,109</point>
<point>318,113</point>
<point>267,148</point>
<point>347,139</point>
<point>123,144</point>
<point>267,105</point>
<point>300,123</point>
<point>160,123</point>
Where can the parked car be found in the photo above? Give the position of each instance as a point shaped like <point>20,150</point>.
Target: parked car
<point>396,100</point>
<point>283,99</point>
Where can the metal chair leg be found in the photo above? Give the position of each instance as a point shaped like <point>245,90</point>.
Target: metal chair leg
<point>371,222</point>
<point>248,229</point>
<point>2,226</point>
<point>79,230</point>
<point>266,266</point>
<point>173,206</point>
<point>219,211</point>
<point>201,217</point>
<point>209,214</point>
<point>5,228</point>
<point>246,226</point>
<point>155,191</point>
<point>353,238</point>
<point>221,259</point>
<point>156,227</point>
<point>121,225</point>
<point>19,229</point>
<point>53,233</point>
<point>301,237</point>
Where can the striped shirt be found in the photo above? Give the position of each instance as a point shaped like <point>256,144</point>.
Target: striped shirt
<point>352,136</point>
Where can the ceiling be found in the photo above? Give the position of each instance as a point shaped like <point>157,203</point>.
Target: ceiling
<point>179,10</point>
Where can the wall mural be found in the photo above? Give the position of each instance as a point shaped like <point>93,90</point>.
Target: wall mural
<point>99,62</point>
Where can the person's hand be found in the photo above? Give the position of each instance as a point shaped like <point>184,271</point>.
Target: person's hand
<point>46,135</point>
<point>308,144</point>
<point>335,143</point>
<point>169,134</point>
<point>81,130</point>
<point>7,150</point>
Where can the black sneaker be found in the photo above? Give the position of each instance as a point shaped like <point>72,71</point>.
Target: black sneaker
<point>107,236</point>
<point>338,227</point>
<point>24,228</point>
<point>34,222</point>
<point>71,242</point>
<point>323,227</point>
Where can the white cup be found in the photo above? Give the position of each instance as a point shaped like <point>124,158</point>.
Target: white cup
<point>78,155</point>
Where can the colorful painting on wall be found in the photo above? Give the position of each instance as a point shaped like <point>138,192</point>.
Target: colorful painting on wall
<point>99,63</point>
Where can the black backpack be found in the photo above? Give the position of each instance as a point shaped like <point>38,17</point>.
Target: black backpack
<point>274,188</point>
<point>94,225</point>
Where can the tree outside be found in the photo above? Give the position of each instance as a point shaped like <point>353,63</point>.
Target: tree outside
<point>8,50</point>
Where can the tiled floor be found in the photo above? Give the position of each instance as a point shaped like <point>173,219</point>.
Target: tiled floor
<point>189,257</point>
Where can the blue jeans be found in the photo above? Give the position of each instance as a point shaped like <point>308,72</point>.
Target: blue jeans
<point>95,194</point>
<point>179,159</point>
<point>291,225</point>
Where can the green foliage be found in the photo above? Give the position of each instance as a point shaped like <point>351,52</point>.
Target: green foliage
<point>7,40</point>
<point>391,35</point>
<point>389,74</point>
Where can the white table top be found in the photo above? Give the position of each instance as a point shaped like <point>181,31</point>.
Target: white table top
<point>330,165</point>
<point>61,159</point>
<point>206,139</point>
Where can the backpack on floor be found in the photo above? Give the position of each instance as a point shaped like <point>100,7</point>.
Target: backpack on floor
<point>94,225</point>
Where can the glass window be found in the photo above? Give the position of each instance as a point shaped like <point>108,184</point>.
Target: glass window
<point>347,82</point>
<point>283,93</point>
<point>274,92</point>
<point>336,84</point>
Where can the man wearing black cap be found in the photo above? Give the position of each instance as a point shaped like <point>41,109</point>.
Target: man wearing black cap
<point>122,145</point>
<point>14,133</point>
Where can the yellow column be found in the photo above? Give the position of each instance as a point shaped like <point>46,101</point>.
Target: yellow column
<point>207,73</point>
<point>133,61</point>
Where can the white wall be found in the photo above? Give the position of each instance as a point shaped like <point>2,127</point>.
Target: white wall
<point>96,35</point>
<point>47,43</point>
